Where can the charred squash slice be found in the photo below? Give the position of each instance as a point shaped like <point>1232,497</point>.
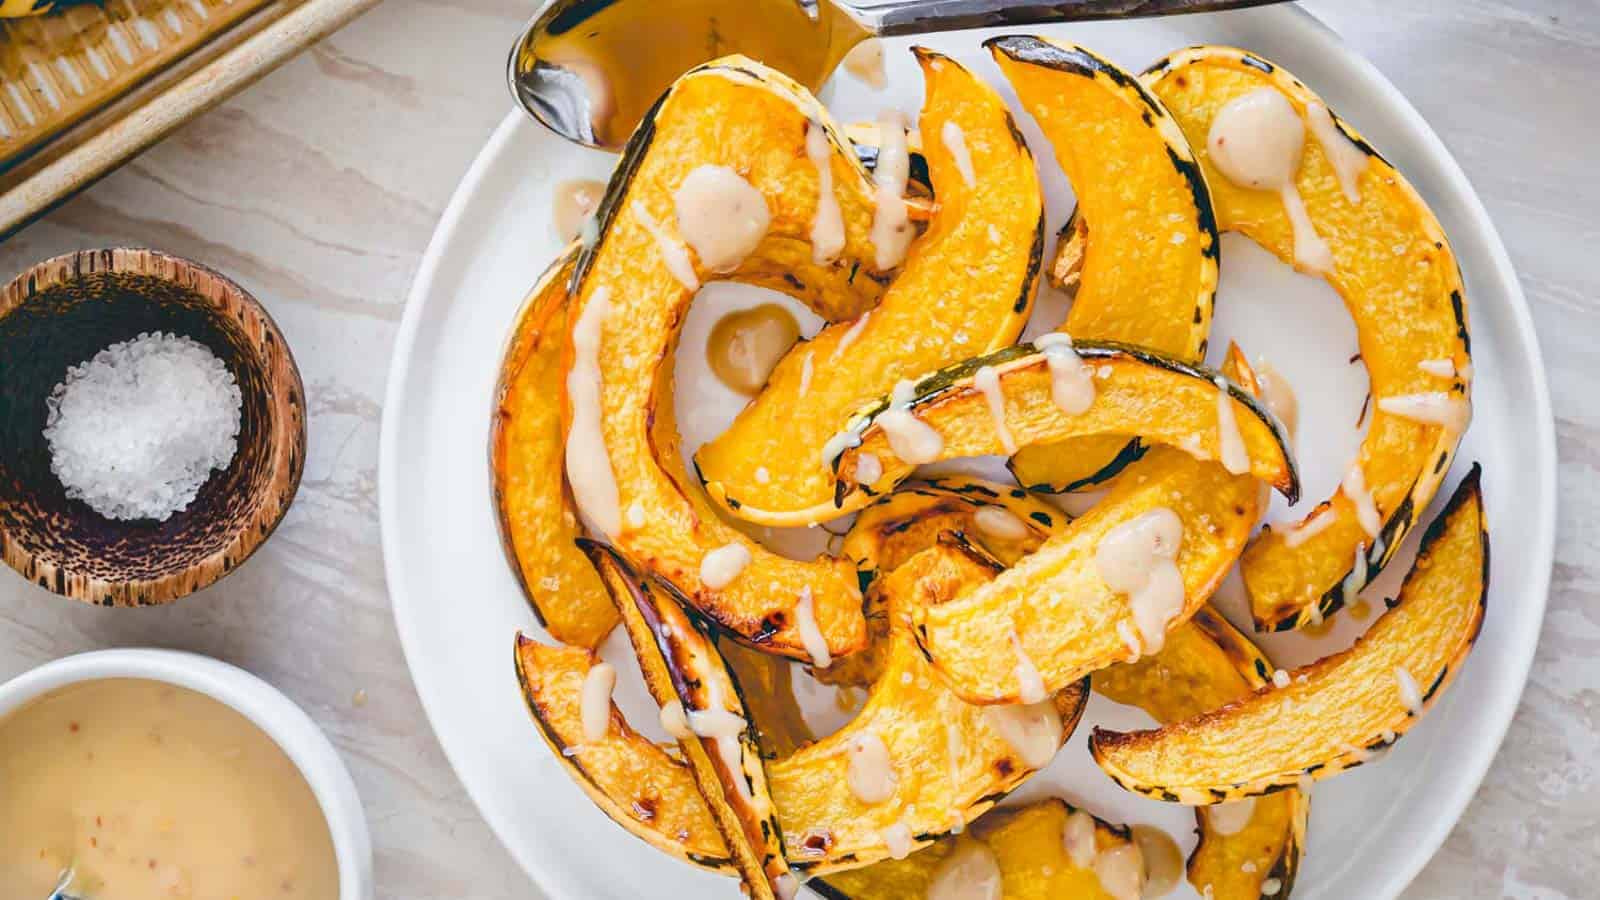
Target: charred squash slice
<point>966,288</point>
<point>1055,612</point>
<point>1143,236</point>
<point>531,502</point>
<point>1395,270</point>
<point>948,762</point>
<point>649,793</point>
<point>1335,713</point>
<point>994,404</point>
<point>1024,845</point>
<point>680,664</point>
<point>748,124</point>
<point>1206,664</point>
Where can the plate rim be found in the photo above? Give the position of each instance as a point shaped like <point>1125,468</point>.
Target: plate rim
<point>1504,700</point>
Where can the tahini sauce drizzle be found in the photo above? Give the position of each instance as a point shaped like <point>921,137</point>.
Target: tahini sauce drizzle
<point>987,380</point>
<point>955,141</point>
<point>1317,524</point>
<point>721,215</point>
<point>891,221</point>
<point>1347,159</point>
<point>970,873</point>
<point>827,227</point>
<point>721,566</point>
<point>1256,141</point>
<point>595,700</point>
<point>1410,694</point>
<point>1230,445</point>
<point>575,202</point>
<point>870,773</point>
<point>865,62</point>
<point>1139,558</point>
<point>1030,686</point>
<point>811,638</point>
<point>1032,731</point>
<point>1354,486</point>
<point>1445,408</point>
<point>1071,382</point>
<point>672,250</point>
<point>1232,817</point>
<point>594,484</point>
<point>999,522</point>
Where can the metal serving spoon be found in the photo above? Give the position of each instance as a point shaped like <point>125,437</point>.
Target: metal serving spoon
<point>65,881</point>
<point>589,69</point>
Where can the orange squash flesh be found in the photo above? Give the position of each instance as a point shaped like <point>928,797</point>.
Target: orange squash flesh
<point>966,288</point>
<point>1166,401</point>
<point>632,780</point>
<point>527,476</point>
<point>753,120</point>
<point>1397,275</point>
<point>1148,239</point>
<point>1335,713</point>
<point>1027,845</point>
<point>826,825</point>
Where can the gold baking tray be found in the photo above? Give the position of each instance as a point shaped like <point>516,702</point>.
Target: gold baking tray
<point>84,88</point>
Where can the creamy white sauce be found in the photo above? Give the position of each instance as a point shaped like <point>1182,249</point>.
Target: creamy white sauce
<point>810,634</point>
<point>594,484</point>
<point>1270,886</point>
<point>850,335</point>
<point>721,215</point>
<point>1347,159</point>
<point>897,840</point>
<point>827,226</point>
<point>868,469</point>
<point>1130,639</point>
<point>715,723</point>
<point>1077,838</point>
<point>723,728</point>
<point>891,220</point>
<point>1280,678</point>
<point>1071,382</point>
<point>839,443</point>
<point>1410,694</point>
<point>1161,862</point>
<point>870,773</point>
<point>1354,486</point>
<point>999,522</point>
<point>1317,524</point>
<point>1139,558</point>
<point>1230,445</point>
<point>1030,686</point>
<point>574,205</point>
<point>594,705</point>
<point>674,721</point>
<point>914,441</point>
<point>1350,589</point>
<point>970,873</point>
<point>1445,408</point>
<point>1033,731</point>
<point>1231,818</point>
<point>1256,142</point>
<point>786,886</point>
<point>987,381</point>
<point>1121,871</point>
<point>805,374</point>
<point>1443,368</point>
<point>636,515</point>
<point>955,140</point>
<point>673,252</point>
<point>721,566</point>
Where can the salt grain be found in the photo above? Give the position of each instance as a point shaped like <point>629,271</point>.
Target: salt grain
<point>137,430</point>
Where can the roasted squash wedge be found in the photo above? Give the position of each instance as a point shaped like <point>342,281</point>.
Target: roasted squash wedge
<point>1337,712</point>
<point>1393,266</point>
<point>649,793</point>
<point>1025,847</point>
<point>1143,238</point>
<point>743,127</point>
<point>1206,664</point>
<point>966,288</point>
<point>532,508</point>
<point>1054,609</point>
<point>945,762</point>
<point>994,404</point>
<point>680,664</point>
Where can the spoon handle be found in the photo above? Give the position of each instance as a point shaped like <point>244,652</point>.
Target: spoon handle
<point>897,17</point>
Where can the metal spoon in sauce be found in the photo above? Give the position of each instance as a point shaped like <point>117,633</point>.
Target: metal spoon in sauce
<point>589,69</point>
<point>64,882</point>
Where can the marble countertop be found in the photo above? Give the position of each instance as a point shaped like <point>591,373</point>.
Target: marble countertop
<point>319,187</point>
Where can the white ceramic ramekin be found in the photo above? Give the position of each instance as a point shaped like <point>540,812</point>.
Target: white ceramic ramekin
<point>261,703</point>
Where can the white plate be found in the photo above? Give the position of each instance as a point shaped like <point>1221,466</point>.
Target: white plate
<point>457,606</point>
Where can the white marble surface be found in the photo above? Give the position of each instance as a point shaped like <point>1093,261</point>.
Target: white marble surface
<point>318,188</point>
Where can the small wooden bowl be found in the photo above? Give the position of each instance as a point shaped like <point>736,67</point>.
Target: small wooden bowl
<point>62,312</point>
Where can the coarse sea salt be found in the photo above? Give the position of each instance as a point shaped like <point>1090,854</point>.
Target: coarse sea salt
<point>135,431</point>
